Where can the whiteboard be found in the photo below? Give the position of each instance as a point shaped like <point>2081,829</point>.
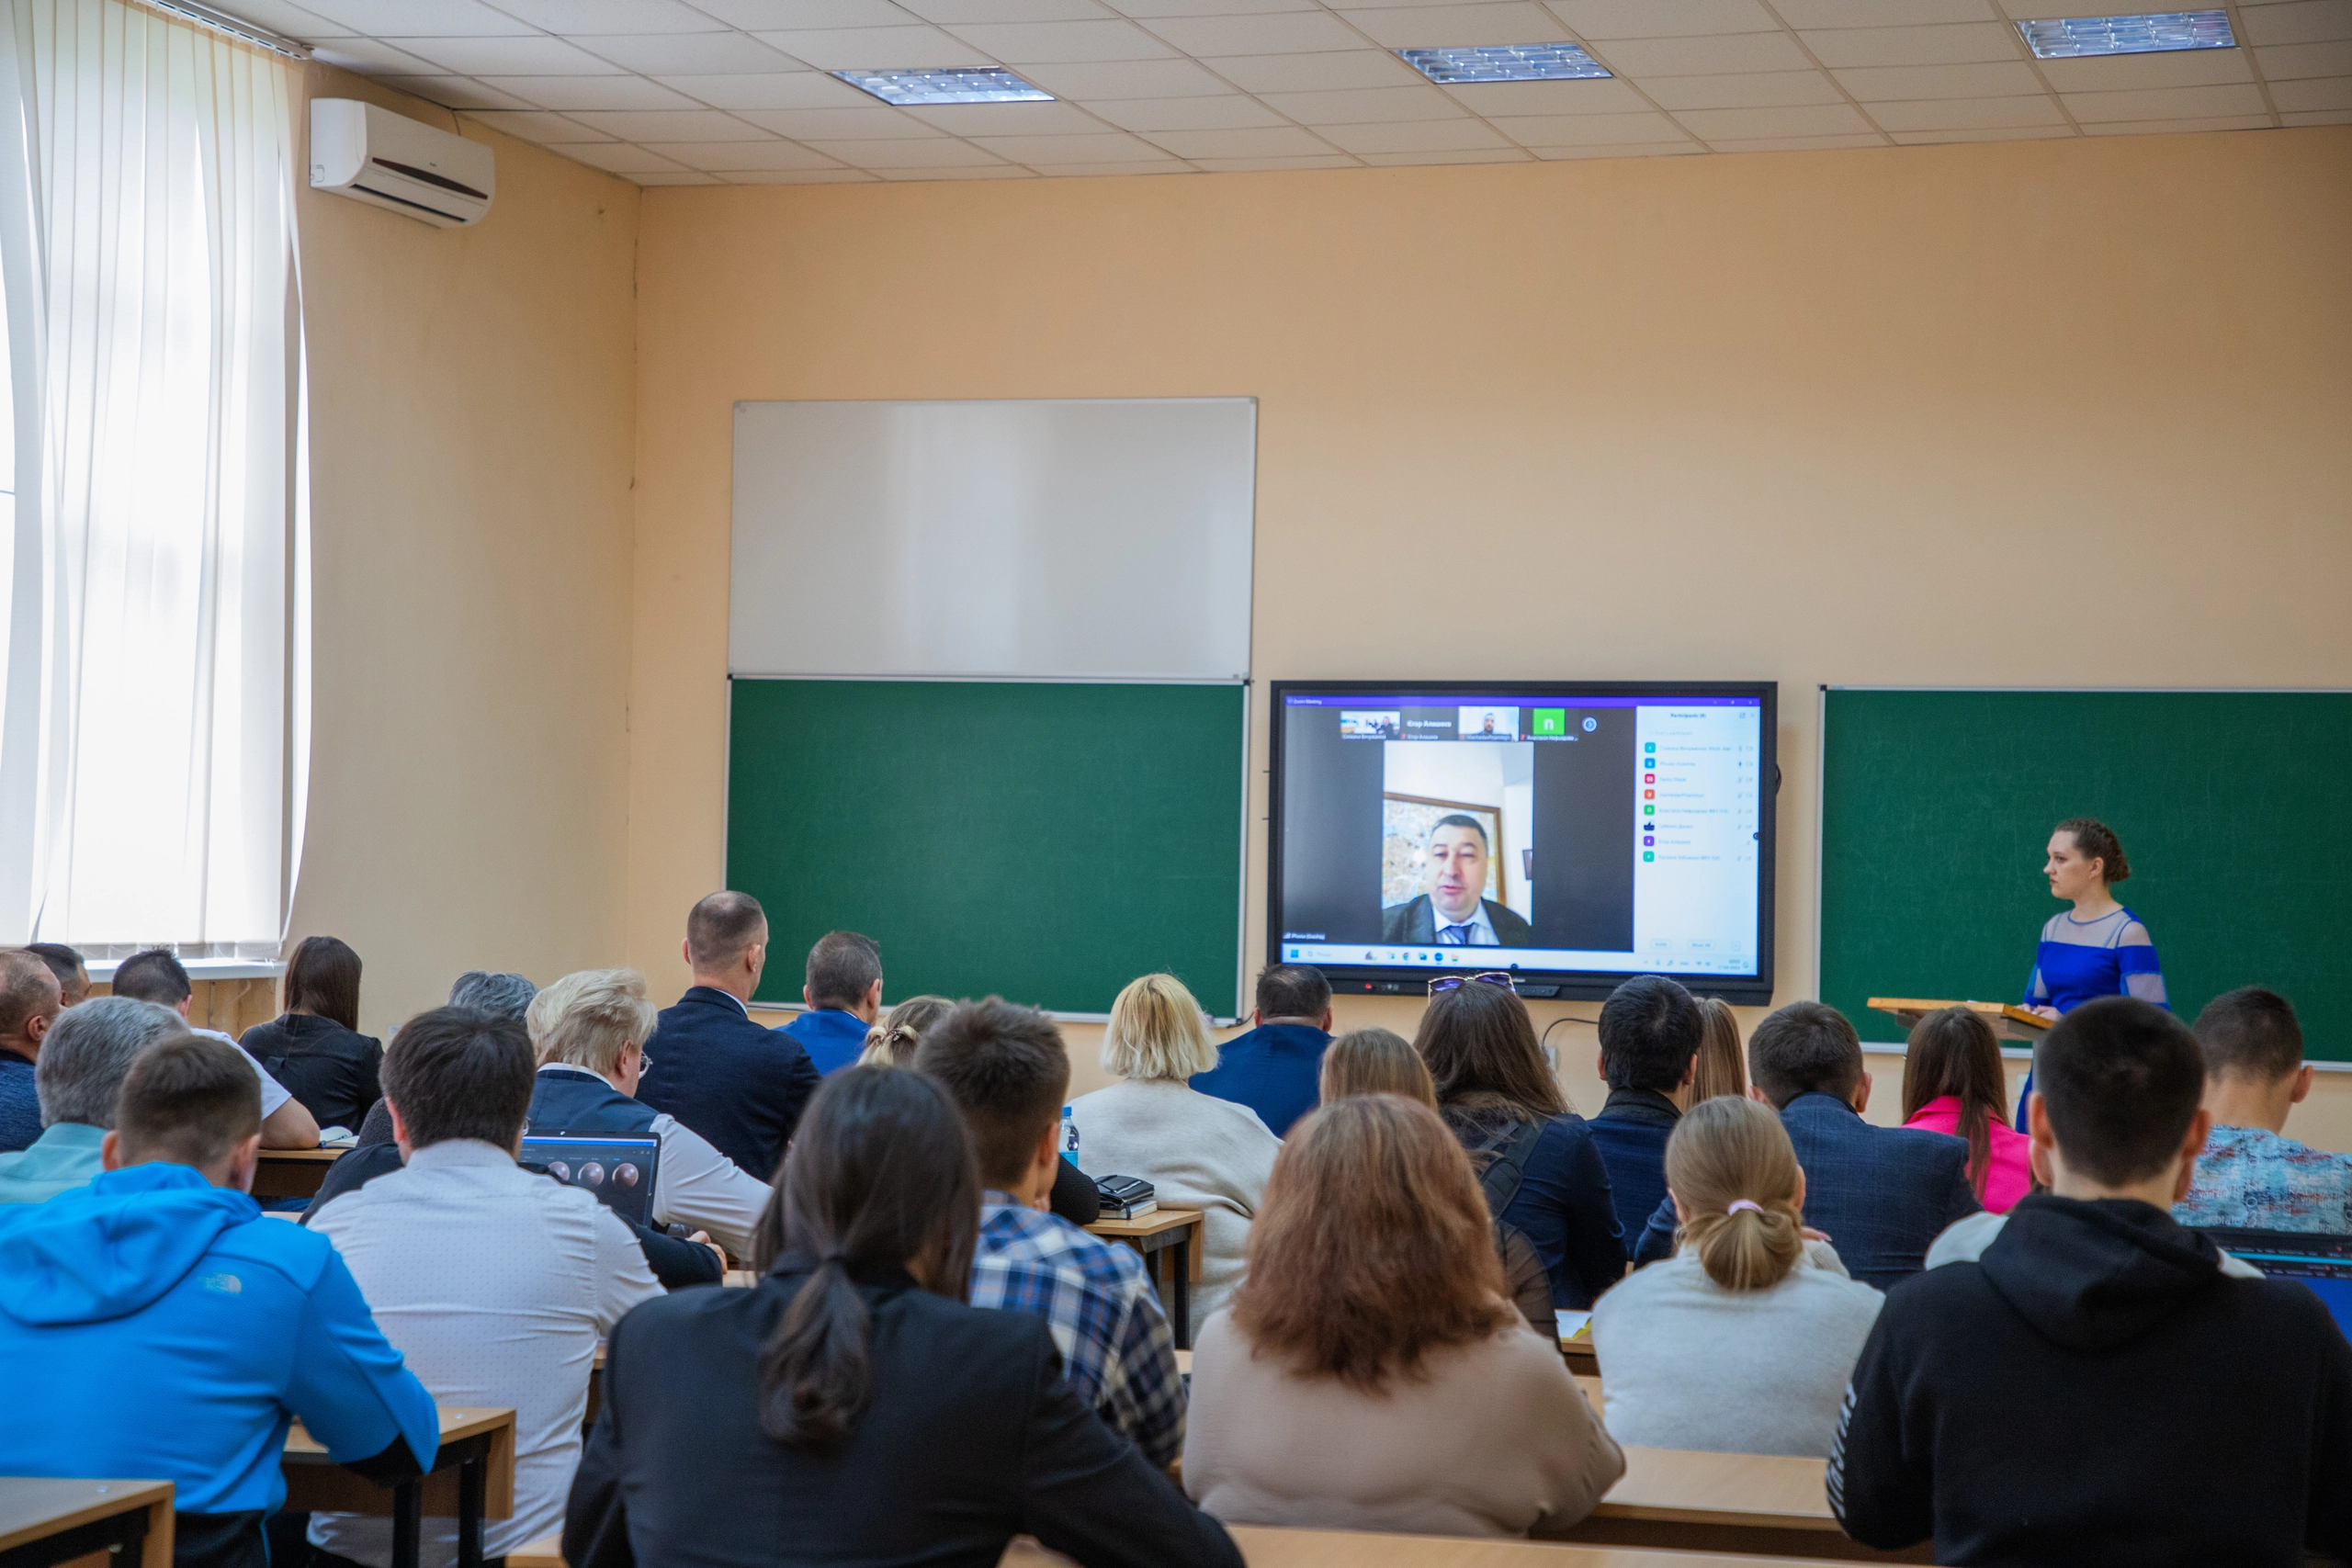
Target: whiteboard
<point>1084,538</point>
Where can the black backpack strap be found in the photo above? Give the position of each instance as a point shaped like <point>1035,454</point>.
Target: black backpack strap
<point>1506,1150</point>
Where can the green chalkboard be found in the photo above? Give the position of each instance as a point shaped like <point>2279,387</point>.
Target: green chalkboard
<point>1936,808</point>
<point>1046,843</point>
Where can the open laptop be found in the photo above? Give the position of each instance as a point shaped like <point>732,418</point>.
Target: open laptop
<point>617,1166</point>
<point>2323,1262</point>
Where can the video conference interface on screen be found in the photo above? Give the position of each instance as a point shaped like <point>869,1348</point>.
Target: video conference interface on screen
<point>1617,834</point>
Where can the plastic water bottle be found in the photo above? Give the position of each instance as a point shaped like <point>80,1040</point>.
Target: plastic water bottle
<point>1069,1137</point>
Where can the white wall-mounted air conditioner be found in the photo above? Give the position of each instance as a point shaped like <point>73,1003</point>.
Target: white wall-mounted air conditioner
<point>387,160</point>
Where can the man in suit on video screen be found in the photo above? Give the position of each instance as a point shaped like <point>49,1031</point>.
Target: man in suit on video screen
<point>1452,909</point>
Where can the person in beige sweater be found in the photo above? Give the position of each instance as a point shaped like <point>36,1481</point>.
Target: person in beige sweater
<point>1198,1152</point>
<point>1370,1374</point>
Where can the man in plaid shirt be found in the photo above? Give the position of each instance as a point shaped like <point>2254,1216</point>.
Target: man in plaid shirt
<point>1006,1068</point>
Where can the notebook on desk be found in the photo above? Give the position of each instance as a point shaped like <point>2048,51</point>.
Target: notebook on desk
<point>618,1167</point>
<point>2323,1262</point>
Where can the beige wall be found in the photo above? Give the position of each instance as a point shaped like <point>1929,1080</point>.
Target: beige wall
<point>2044,412</point>
<point>473,408</point>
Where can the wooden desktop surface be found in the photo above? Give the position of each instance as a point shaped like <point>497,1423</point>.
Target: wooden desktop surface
<point>33,1508</point>
<point>314,1482</point>
<point>1265,1548</point>
<point>2009,1022</point>
<point>1159,1222</point>
<point>1689,1500</point>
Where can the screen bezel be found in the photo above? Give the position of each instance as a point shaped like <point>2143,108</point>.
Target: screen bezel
<point>1374,979</point>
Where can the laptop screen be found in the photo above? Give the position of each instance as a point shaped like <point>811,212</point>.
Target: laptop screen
<point>617,1166</point>
<point>2323,1262</point>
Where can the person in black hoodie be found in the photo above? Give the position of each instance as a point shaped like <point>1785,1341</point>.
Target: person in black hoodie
<point>2098,1384</point>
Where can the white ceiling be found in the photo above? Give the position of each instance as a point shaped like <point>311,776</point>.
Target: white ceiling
<point>711,92</point>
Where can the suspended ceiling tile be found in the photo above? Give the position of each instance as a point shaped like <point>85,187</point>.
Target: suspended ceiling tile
<point>1743,90</point>
<point>1233,111</point>
<point>1317,72</point>
<point>1604,19</point>
<point>1967,114</point>
<point>1365,105</point>
<point>1643,58</point>
<point>1950,43</point>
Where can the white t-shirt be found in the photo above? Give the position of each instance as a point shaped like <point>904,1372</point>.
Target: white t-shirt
<point>273,1093</point>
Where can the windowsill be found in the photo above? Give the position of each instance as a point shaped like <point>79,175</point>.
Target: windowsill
<point>203,969</point>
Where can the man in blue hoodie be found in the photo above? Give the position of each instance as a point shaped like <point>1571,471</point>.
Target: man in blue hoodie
<point>152,1323</point>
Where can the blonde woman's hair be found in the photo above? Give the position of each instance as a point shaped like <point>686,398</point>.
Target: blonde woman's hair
<point>1723,1061</point>
<point>891,1041</point>
<point>1730,1151</point>
<point>588,1018</point>
<point>1375,1061</point>
<point>1157,1032</point>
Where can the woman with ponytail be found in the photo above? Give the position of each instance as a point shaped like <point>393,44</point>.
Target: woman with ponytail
<point>852,1408</point>
<point>1743,1340</point>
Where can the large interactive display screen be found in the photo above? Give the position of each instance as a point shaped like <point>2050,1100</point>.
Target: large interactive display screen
<point>1573,833</point>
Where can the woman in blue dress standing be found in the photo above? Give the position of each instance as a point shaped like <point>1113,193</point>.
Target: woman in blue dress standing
<point>2096,949</point>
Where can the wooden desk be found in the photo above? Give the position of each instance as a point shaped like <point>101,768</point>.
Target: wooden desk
<point>1578,1354</point>
<point>545,1552</point>
<point>2008,1022</point>
<point>472,1480</point>
<point>292,1173</point>
<point>1689,1500</point>
<point>1171,1231</point>
<point>44,1522</point>
<point>1267,1548</point>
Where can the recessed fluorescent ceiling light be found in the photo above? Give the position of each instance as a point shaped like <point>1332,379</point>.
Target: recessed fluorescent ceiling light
<point>1511,63</point>
<point>985,85</point>
<point>2158,32</point>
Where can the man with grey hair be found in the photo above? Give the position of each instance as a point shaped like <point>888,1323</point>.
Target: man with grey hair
<point>508,996</point>
<point>84,1060</point>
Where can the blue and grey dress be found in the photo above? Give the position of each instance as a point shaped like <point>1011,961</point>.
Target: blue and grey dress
<point>2082,960</point>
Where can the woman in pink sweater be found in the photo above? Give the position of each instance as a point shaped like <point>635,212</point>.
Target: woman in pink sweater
<point>1952,1083</point>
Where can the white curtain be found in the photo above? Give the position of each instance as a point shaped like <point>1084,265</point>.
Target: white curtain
<point>154,748</point>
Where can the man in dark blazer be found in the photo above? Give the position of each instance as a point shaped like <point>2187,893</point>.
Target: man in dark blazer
<point>740,1083</point>
<point>1881,1194</point>
<point>1451,911</point>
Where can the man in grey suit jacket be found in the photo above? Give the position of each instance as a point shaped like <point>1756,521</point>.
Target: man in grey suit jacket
<point>1451,911</point>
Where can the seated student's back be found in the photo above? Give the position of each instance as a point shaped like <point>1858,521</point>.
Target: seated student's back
<point>495,1282</point>
<point>1650,1033</point>
<point>852,1408</point>
<point>1007,1071</point>
<point>739,1083</point>
<point>1742,1341</point>
<point>1882,1194</point>
<point>82,1063</point>
<point>1197,1151</point>
<point>315,1048</point>
<point>1370,1374</point>
<point>155,1324</point>
<point>1378,1061</point>
<point>2090,1382</point>
<point>1952,1083</point>
<point>1271,1068</point>
<point>845,996</point>
<point>1535,1158</point>
<point>2251,1175</point>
